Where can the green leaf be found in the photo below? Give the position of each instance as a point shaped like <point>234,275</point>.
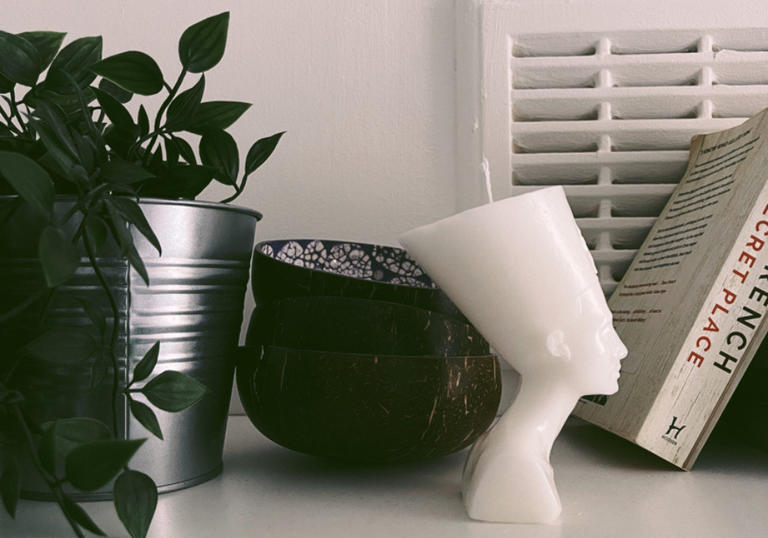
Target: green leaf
<point>184,149</point>
<point>63,344</point>
<point>183,108</point>
<point>202,45</point>
<point>217,115</point>
<point>20,59</point>
<point>133,71</point>
<point>29,180</point>
<point>86,153</point>
<point>144,414</point>
<point>10,486</point>
<point>5,84</point>
<point>115,91</point>
<point>92,465</point>
<point>125,240</point>
<point>260,152</point>
<point>120,140</point>
<point>46,43</point>
<point>171,152</point>
<point>59,134</point>
<point>54,145</point>
<point>63,435</point>
<point>174,391</point>
<point>132,212</point>
<point>78,175</point>
<point>145,366</point>
<point>143,121</point>
<point>97,231</point>
<point>124,172</point>
<point>156,162</point>
<point>114,110</point>
<point>135,502</point>
<point>76,59</point>
<point>8,208</point>
<point>219,150</point>
<point>133,257</point>
<point>180,182</point>
<point>58,256</point>
<point>76,512</point>
<point>50,116</point>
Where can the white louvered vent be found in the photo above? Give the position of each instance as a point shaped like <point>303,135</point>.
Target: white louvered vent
<point>609,115</point>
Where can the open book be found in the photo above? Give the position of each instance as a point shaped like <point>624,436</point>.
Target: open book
<point>692,307</point>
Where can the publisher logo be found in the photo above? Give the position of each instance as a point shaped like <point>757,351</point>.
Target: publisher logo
<point>673,431</point>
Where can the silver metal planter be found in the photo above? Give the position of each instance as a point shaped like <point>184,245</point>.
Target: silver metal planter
<point>193,307</point>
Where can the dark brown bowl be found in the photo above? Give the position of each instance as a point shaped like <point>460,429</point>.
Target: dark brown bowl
<point>351,325</point>
<point>368,408</point>
<point>315,267</point>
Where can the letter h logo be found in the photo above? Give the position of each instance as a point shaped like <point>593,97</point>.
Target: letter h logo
<point>674,427</point>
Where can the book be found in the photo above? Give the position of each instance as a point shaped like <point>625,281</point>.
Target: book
<point>692,306</point>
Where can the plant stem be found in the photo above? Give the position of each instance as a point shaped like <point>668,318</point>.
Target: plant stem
<point>238,190</point>
<point>159,117</point>
<point>53,483</point>
<point>22,306</point>
<point>9,122</point>
<point>135,146</point>
<point>113,339</point>
<point>230,198</point>
<point>15,112</point>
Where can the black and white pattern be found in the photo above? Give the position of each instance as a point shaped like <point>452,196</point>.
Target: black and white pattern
<point>356,260</point>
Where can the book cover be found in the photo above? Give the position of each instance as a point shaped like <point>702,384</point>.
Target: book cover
<point>691,307</point>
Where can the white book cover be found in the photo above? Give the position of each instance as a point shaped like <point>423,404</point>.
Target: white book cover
<point>692,304</point>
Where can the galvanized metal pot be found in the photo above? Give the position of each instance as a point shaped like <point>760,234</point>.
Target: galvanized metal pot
<point>193,307</point>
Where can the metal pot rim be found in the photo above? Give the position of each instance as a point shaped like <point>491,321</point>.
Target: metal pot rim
<point>163,201</point>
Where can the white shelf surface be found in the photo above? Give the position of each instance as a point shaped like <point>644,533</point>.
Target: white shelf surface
<point>609,488</point>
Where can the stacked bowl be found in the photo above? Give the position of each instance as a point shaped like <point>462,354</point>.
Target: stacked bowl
<point>353,353</point>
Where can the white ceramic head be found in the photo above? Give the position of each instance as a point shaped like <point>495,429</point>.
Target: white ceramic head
<point>521,272</point>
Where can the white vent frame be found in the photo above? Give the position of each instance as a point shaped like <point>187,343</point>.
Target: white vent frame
<point>611,125</point>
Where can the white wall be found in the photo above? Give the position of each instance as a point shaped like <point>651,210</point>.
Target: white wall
<point>364,89</point>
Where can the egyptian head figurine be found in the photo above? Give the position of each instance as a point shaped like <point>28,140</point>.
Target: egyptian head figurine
<point>521,272</point>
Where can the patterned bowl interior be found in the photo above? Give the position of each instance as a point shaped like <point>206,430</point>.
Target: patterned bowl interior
<point>363,261</point>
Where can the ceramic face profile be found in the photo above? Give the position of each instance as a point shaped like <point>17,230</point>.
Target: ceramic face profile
<point>520,270</point>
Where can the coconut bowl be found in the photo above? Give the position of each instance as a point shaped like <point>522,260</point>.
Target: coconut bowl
<point>315,267</point>
<point>371,408</point>
<point>348,324</point>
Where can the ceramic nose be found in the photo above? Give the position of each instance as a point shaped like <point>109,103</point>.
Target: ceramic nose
<point>620,349</point>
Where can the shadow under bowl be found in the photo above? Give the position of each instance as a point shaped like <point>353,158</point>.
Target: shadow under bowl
<point>368,408</point>
<point>352,325</point>
<point>317,267</point>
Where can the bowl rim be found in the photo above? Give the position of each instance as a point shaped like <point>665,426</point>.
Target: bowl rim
<point>150,200</point>
<point>257,253</point>
<point>262,349</point>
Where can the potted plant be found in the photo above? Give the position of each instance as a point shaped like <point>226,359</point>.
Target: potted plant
<point>120,296</point>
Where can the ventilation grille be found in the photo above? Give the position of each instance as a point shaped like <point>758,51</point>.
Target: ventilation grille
<point>610,117</point>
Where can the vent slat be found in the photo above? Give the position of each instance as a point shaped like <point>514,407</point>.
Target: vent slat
<point>624,167</point>
<point>729,67</point>
<point>626,135</point>
<point>625,200</point>
<point>638,42</point>
<point>623,233</point>
<point>637,103</point>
